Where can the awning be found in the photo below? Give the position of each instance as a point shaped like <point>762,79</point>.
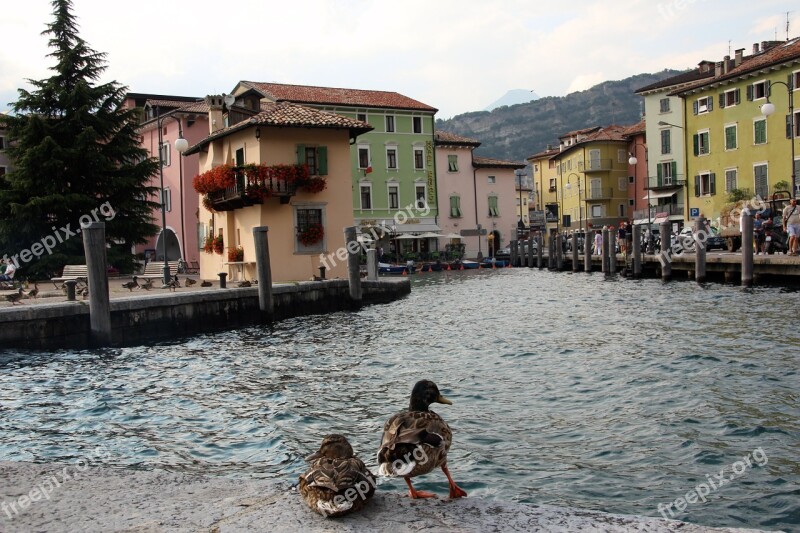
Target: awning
<point>659,220</point>
<point>417,228</point>
<point>660,194</point>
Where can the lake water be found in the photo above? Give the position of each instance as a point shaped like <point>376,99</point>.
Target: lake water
<point>567,389</point>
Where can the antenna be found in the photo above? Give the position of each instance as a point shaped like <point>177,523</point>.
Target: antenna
<point>729,47</point>
<point>787,25</point>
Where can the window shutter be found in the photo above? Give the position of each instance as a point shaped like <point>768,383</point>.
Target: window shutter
<point>713,180</point>
<point>660,173</point>
<point>453,206</point>
<point>749,93</point>
<point>674,170</point>
<point>721,100</point>
<point>301,154</point>
<point>697,186</point>
<point>736,96</point>
<point>694,107</point>
<point>696,141</point>
<point>322,160</point>
<point>710,103</point>
<point>788,126</point>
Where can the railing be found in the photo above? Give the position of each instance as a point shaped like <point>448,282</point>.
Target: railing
<point>599,193</point>
<point>594,165</point>
<point>659,210</point>
<point>667,182</point>
<point>238,195</point>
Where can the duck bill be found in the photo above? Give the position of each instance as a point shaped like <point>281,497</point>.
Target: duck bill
<point>442,399</point>
<point>315,455</point>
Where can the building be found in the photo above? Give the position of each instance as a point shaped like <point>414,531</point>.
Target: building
<point>735,150</point>
<point>392,167</point>
<point>281,165</point>
<point>496,201</point>
<point>177,115</point>
<point>545,177</point>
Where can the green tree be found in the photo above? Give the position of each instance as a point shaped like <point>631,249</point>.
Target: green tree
<point>75,150</point>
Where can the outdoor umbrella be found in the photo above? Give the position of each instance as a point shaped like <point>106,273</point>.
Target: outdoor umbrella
<point>407,236</point>
<point>430,235</point>
<point>451,236</point>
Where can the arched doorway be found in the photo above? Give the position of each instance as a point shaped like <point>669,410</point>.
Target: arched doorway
<point>173,246</point>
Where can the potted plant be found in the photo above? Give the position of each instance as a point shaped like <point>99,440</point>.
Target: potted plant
<point>311,235</point>
<point>208,247</point>
<point>235,255</point>
<point>219,244</point>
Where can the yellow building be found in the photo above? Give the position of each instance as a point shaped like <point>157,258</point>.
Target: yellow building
<point>732,147</point>
<point>545,176</point>
<point>264,164</point>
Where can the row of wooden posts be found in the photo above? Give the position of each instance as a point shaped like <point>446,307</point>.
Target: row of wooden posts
<point>94,244</point>
<point>608,259</point>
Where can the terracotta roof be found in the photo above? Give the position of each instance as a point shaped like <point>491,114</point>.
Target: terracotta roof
<point>486,162</point>
<point>306,94</point>
<point>196,107</point>
<point>635,129</point>
<point>166,103</point>
<point>544,154</point>
<point>287,114</point>
<point>584,131</point>
<point>779,53</point>
<point>608,133</point>
<point>447,138</point>
<point>690,76</point>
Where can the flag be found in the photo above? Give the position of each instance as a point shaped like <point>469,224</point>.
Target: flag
<point>368,171</point>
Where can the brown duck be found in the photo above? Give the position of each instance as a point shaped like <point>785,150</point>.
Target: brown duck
<point>15,298</point>
<point>417,440</point>
<point>337,482</point>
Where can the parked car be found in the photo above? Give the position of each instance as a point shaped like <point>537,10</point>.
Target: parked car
<point>503,253</point>
<point>713,239</point>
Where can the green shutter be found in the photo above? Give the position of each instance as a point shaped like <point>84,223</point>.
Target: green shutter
<point>659,173</point>
<point>710,103</point>
<point>697,186</point>
<point>749,93</point>
<point>453,206</point>
<point>788,126</point>
<point>322,160</point>
<point>736,96</point>
<point>721,100</point>
<point>674,170</point>
<point>760,135</point>
<point>713,180</point>
<point>694,107</point>
<point>301,154</point>
<point>696,141</point>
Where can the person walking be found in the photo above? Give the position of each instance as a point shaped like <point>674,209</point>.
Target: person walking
<point>598,243</point>
<point>758,233</point>
<point>791,224</point>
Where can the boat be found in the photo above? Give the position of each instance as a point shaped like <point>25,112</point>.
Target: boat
<point>395,270</point>
<point>498,263</point>
<point>469,265</point>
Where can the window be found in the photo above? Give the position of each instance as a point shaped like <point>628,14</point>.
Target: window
<point>597,211</point>
<point>795,78</point>
<point>796,125</point>
<point>492,179</point>
<point>455,206</point>
<point>760,179</point>
<point>552,184</point>
<point>536,167</point>
<point>705,184</point>
<point>666,142</point>
<point>730,179</point>
<point>703,105</point>
<point>362,117</point>
<point>664,105</point>
<point>167,200</point>
<point>452,163</point>
<point>315,157</point>
<point>760,131</point>
<point>758,90</point>
<point>702,144</point>
<point>416,124</point>
<point>239,157</point>
<point>305,219</point>
<point>165,155</point>
<point>419,158</point>
<point>493,209</point>
<point>366,196</point>
<point>2,143</point>
<point>622,156</point>
<point>391,158</point>
<point>623,183</point>
<point>552,163</point>
<point>389,123</point>
<point>421,196</point>
<point>666,171</point>
<point>394,197</point>
<point>621,210</point>
<point>729,98</point>
<point>731,134</point>
<point>363,157</point>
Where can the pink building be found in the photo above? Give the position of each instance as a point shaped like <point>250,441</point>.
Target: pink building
<point>176,115</point>
<point>637,174</point>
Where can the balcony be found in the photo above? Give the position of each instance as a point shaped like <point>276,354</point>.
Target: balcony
<point>597,165</point>
<point>657,211</point>
<point>599,193</point>
<point>667,182</point>
<point>243,193</point>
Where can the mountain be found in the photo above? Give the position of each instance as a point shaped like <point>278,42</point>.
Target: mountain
<point>518,131</point>
<point>513,97</point>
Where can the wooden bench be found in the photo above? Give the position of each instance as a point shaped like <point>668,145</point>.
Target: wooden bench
<point>155,270</point>
<point>80,273</point>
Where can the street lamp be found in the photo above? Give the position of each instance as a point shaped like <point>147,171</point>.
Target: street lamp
<point>521,224</point>
<point>181,145</point>
<point>769,108</point>
<point>633,161</point>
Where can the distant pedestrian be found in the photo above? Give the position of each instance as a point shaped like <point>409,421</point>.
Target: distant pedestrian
<point>598,243</point>
<point>791,224</point>
<point>758,233</point>
<point>621,237</point>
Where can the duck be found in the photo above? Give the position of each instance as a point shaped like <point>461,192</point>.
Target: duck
<point>190,282</point>
<point>84,292</point>
<point>133,284</point>
<point>337,482</point>
<point>417,440</point>
<point>205,283</point>
<point>34,292</point>
<point>147,285</point>
<point>173,284</point>
<point>244,283</point>
<point>15,298</point>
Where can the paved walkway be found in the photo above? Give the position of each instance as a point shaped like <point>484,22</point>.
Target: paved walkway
<point>105,499</point>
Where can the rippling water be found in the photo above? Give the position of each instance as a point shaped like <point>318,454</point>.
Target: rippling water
<point>567,389</point>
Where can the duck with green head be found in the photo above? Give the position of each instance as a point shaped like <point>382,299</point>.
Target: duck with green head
<point>417,440</point>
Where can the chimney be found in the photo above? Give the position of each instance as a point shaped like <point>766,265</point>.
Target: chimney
<point>215,121</point>
<point>738,59</point>
<point>718,70</point>
<point>549,147</point>
<point>755,48</point>
<point>726,63</point>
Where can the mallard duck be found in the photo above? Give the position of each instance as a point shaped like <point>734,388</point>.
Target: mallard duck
<point>172,284</point>
<point>205,283</point>
<point>190,282</point>
<point>15,298</point>
<point>416,441</point>
<point>337,482</point>
<point>133,284</point>
<point>244,283</point>
<point>34,292</point>
<point>147,284</point>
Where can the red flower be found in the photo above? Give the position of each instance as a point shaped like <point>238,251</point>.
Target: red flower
<point>312,234</point>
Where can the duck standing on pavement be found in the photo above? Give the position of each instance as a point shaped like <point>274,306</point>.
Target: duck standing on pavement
<point>133,284</point>
<point>15,298</point>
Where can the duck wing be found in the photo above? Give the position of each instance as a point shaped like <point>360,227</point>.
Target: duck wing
<point>334,487</point>
<point>414,443</point>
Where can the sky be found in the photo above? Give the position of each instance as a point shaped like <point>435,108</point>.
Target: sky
<point>455,55</point>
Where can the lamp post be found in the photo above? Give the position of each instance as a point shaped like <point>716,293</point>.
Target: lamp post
<point>769,108</point>
<point>181,145</point>
<point>633,161</point>
<point>521,224</point>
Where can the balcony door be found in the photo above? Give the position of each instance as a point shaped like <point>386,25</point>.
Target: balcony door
<point>594,159</point>
<point>595,187</point>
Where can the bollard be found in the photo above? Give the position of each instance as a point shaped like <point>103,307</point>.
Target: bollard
<point>612,253</point>
<point>222,283</point>
<point>540,250</point>
<point>513,254</point>
<point>551,253</point>
<point>322,272</point>
<point>587,252</point>
<point>560,252</point>
<point>70,289</point>
<point>747,249</point>
<point>530,251</point>
<point>372,264</point>
<point>264,271</point>
<point>94,246</point>
<point>700,249</point>
<point>637,252</point>
<point>604,257</point>
<point>575,251</point>
<point>666,257</point>
<point>353,266</point>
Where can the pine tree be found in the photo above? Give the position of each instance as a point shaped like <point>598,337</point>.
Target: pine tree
<point>75,152</point>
